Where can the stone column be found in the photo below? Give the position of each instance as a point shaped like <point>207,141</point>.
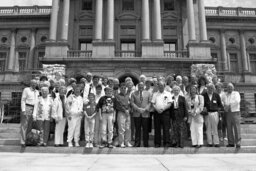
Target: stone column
<point>202,20</point>
<point>243,52</point>
<point>65,20</point>
<point>157,21</point>
<point>110,20</point>
<point>32,49</point>
<point>191,20</point>
<point>145,20</point>
<point>98,20</point>
<point>54,20</point>
<point>224,51</point>
<point>11,62</point>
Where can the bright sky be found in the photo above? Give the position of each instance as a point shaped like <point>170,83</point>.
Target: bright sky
<point>226,3</point>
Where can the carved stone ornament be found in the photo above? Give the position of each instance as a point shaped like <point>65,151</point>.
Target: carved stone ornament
<point>23,38</point>
<point>5,38</point>
<point>40,34</point>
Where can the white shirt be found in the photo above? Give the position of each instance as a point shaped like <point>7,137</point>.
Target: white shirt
<point>43,108</point>
<point>29,96</point>
<point>161,100</point>
<point>97,97</point>
<point>233,100</point>
<point>74,105</point>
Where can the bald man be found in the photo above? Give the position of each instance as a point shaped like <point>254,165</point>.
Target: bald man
<point>232,107</point>
<point>28,100</point>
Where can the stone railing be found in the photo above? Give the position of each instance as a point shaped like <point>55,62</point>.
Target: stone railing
<point>226,11</point>
<point>79,54</point>
<point>127,54</point>
<point>176,54</point>
<point>25,10</point>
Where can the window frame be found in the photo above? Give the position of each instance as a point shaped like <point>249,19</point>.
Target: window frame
<point>123,5</point>
<point>231,60</point>
<point>22,59</point>
<point>172,9</point>
<point>85,41</point>
<point>5,60</point>
<point>252,61</point>
<point>82,5</point>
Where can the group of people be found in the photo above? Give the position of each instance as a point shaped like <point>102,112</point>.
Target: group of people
<point>172,106</point>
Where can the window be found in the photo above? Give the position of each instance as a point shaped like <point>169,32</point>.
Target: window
<point>214,56</point>
<point>128,30</point>
<point>128,5</point>
<point>168,5</point>
<point>3,56</point>
<point>22,60</point>
<point>86,31</point>
<point>233,63</point>
<point>128,48</point>
<point>255,101</point>
<point>86,45</point>
<point>41,54</point>
<point>253,63</point>
<point>16,98</point>
<point>169,46</point>
<point>242,102</point>
<point>87,5</point>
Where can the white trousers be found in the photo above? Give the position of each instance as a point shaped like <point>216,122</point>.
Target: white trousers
<point>59,131</point>
<point>211,122</point>
<point>124,130</point>
<point>97,129</point>
<point>107,125</point>
<point>74,126</point>
<point>196,129</point>
<point>89,129</point>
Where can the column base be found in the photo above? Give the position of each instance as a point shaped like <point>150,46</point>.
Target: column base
<point>56,49</point>
<point>103,49</point>
<point>152,49</point>
<point>200,50</point>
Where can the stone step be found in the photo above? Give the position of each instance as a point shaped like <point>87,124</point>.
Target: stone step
<point>9,135</point>
<point>248,131</point>
<point>248,136</point>
<point>11,141</point>
<point>4,126</point>
<point>248,142</point>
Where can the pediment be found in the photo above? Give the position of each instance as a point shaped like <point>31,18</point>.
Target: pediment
<point>251,47</point>
<point>4,46</point>
<point>170,16</point>
<point>23,46</point>
<point>128,16</point>
<point>86,15</point>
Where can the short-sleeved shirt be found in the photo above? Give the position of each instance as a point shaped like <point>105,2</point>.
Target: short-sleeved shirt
<point>107,104</point>
<point>161,100</point>
<point>90,109</point>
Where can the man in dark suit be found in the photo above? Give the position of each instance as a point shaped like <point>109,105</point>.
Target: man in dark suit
<point>212,103</point>
<point>179,116</point>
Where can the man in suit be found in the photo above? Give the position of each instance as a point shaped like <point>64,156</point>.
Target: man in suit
<point>212,103</point>
<point>179,116</point>
<point>141,102</point>
<point>161,102</point>
<point>232,107</point>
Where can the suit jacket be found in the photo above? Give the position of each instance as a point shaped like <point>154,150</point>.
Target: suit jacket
<point>182,111</point>
<point>213,105</point>
<point>136,103</point>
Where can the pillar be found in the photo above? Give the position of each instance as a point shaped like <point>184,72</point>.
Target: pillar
<point>157,21</point>
<point>224,51</point>
<point>202,21</point>
<point>11,62</point>
<point>54,20</point>
<point>243,52</point>
<point>145,20</point>
<point>110,20</point>
<point>65,20</point>
<point>98,20</point>
<point>32,49</point>
<point>191,20</point>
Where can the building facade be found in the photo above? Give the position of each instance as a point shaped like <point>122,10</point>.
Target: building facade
<point>127,38</point>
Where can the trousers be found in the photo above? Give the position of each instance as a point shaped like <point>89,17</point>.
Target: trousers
<point>124,131</point>
<point>211,122</point>
<point>59,131</point>
<point>74,125</point>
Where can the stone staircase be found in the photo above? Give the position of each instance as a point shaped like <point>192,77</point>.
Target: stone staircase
<point>10,135</point>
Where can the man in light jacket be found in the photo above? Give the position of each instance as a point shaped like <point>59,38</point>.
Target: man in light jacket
<point>232,107</point>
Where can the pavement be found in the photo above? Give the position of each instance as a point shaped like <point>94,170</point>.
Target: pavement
<point>120,162</point>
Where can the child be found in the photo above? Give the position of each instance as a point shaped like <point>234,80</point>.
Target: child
<point>74,107</point>
<point>89,120</point>
<point>107,108</point>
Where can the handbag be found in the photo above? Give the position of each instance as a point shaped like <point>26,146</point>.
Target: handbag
<point>204,112</point>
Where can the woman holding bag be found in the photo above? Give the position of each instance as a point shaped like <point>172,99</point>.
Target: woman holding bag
<point>195,107</point>
<point>58,113</point>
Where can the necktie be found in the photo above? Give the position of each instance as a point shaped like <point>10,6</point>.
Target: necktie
<point>63,106</point>
<point>141,98</point>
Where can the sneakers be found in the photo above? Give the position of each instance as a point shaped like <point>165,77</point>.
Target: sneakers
<point>110,145</point>
<point>102,145</point>
<point>90,145</point>
<point>129,145</point>
<point>70,144</point>
<point>122,145</point>
<point>77,144</point>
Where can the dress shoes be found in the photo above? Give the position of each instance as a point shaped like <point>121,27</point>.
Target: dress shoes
<point>230,145</point>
